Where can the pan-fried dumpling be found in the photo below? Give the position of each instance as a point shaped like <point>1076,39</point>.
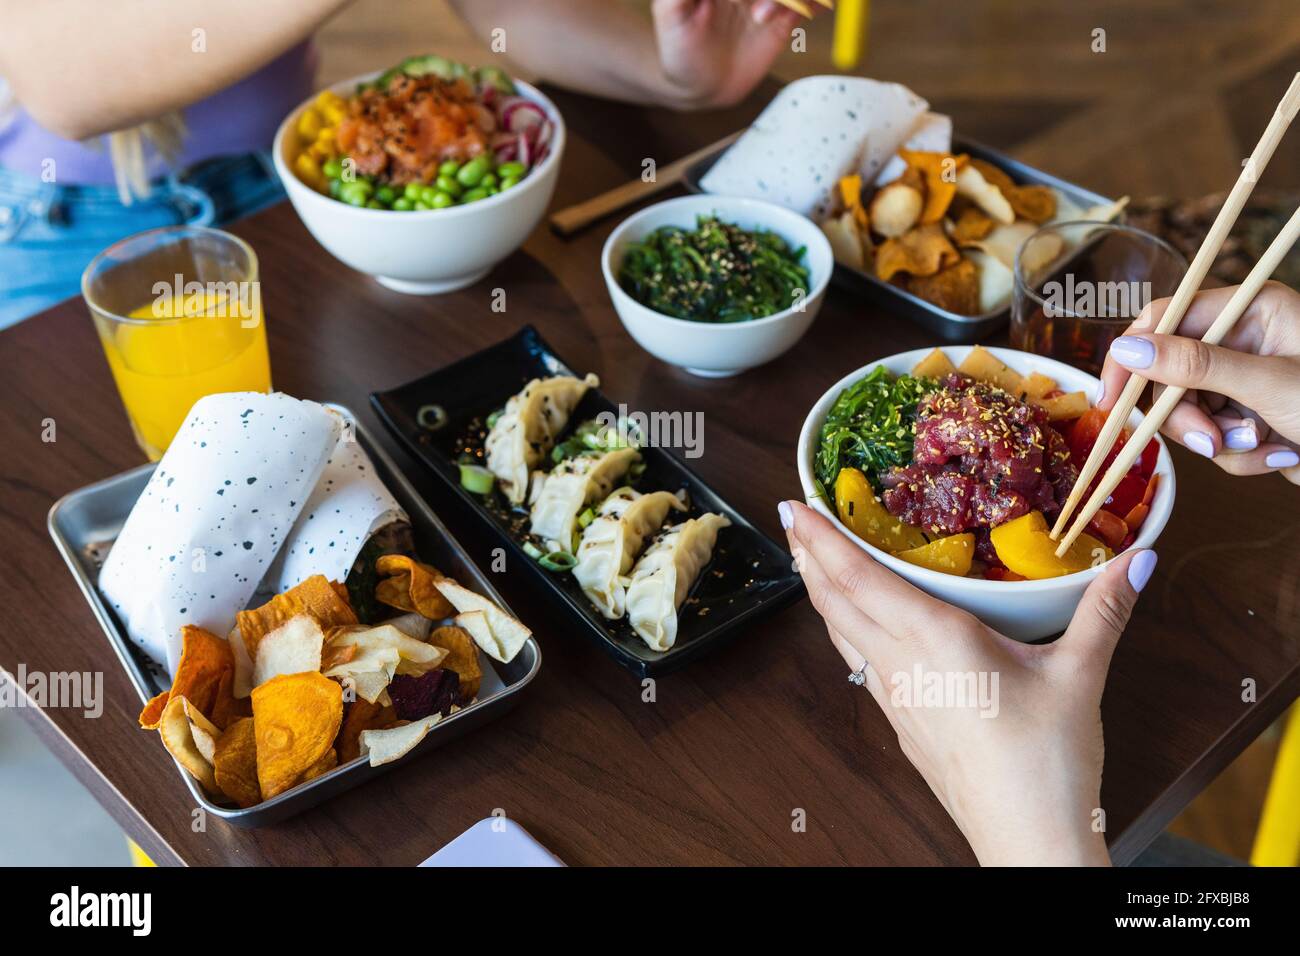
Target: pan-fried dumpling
<point>664,575</point>
<point>612,541</point>
<point>527,429</point>
<point>569,487</point>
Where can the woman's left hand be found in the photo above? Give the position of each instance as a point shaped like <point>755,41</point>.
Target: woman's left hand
<point>715,51</point>
<point>1019,771</point>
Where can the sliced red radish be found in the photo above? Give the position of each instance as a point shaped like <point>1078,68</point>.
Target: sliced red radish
<point>521,115</point>
<point>524,155</point>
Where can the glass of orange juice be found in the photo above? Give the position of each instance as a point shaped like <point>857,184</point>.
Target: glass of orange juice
<point>179,313</point>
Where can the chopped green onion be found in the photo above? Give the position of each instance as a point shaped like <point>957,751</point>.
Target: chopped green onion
<point>533,551</point>
<point>495,417</point>
<point>586,518</point>
<point>558,561</point>
<point>477,479</point>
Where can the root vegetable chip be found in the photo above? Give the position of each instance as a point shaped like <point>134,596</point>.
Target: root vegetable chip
<point>293,647</point>
<point>895,209</point>
<point>433,692</point>
<point>956,288</point>
<point>972,225</point>
<point>174,728</point>
<point>295,719</point>
<point>500,636</point>
<point>972,185</point>
<point>1005,241</point>
<point>235,763</point>
<point>411,586</point>
<point>994,175</point>
<point>361,715</point>
<point>846,240</point>
<point>922,252</point>
<point>939,171</point>
<point>462,657</point>
<point>385,746</point>
<point>315,597</point>
<point>414,625</point>
<point>205,660</point>
<point>320,767</point>
<point>996,280</point>
<point>851,197</point>
<point>1035,203</point>
<point>204,732</point>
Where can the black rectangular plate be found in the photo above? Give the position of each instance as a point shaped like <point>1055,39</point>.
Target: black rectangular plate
<point>949,326</point>
<point>749,575</point>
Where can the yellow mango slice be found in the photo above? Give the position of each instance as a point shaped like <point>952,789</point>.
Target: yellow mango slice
<point>1025,546</point>
<point>950,555</point>
<point>864,515</point>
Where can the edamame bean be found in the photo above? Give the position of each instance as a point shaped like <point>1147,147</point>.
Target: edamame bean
<point>412,192</point>
<point>449,168</point>
<point>402,204</point>
<point>511,169</point>
<point>508,181</point>
<point>474,195</point>
<point>374,204</point>
<point>489,179</point>
<point>385,195</point>
<point>442,200</point>
<point>422,205</point>
<point>427,194</point>
<point>449,185</point>
<point>333,168</point>
<point>473,171</point>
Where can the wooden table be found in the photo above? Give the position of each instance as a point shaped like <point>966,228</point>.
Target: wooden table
<point>714,771</point>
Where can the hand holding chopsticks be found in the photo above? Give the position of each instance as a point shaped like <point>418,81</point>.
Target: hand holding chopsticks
<point>1205,256</point>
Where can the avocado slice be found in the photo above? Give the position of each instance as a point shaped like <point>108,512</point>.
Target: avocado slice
<point>496,77</point>
<point>439,66</point>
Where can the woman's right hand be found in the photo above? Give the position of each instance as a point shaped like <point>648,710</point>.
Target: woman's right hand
<point>1242,408</point>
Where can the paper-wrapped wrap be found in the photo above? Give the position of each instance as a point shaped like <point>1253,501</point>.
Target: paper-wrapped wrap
<point>256,493</point>
<point>815,131</point>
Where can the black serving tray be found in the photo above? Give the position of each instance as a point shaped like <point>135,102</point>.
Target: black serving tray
<point>750,575</point>
<point>949,326</point>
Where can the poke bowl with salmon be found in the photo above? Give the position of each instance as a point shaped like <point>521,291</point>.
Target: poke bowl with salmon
<point>425,175</point>
<point>950,467</point>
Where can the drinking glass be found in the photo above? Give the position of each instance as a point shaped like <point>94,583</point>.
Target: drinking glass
<point>179,313</point>
<point>1078,285</point>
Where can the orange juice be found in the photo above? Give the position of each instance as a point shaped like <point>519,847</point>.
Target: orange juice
<point>171,352</point>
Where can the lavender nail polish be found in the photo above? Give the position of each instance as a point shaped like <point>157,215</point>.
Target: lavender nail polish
<point>1140,569</point>
<point>1282,459</point>
<point>1241,438</point>
<point>786,514</point>
<point>1133,352</point>
<point>1101,393</point>
<point>1199,442</point>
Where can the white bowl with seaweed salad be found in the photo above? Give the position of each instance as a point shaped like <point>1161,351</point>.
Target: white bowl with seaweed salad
<point>716,284</point>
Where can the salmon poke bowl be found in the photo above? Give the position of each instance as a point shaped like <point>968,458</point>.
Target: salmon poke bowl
<point>424,175</point>
<point>950,467</point>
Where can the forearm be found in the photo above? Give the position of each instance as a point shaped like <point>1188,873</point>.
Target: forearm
<point>83,67</point>
<point>612,55</point>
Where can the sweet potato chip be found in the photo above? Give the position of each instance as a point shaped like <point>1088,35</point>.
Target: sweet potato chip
<point>205,659</point>
<point>235,763</point>
<point>921,252</point>
<point>939,171</point>
<point>972,225</point>
<point>411,586</point>
<point>227,708</point>
<point>955,289</point>
<point>362,715</point>
<point>333,657</point>
<point>851,197</point>
<point>1035,203</point>
<point>321,767</point>
<point>314,597</point>
<point>295,719</point>
<point>462,657</point>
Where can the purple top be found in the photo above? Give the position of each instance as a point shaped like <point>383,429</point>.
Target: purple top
<point>239,119</point>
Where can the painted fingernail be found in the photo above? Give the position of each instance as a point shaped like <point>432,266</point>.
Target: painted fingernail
<point>1200,443</point>
<point>786,514</point>
<point>1241,438</point>
<point>1132,352</point>
<point>1101,393</point>
<point>1140,569</point>
<point>1282,459</point>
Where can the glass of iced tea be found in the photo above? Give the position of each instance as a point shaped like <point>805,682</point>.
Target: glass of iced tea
<point>179,313</point>
<point>1078,285</point>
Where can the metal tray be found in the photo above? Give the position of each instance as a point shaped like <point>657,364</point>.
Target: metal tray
<point>85,523</point>
<point>949,326</point>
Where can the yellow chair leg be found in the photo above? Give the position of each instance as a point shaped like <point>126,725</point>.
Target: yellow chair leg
<point>851,18</point>
<point>1277,841</point>
<point>138,856</point>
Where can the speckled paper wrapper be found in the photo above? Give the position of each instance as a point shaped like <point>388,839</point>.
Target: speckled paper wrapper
<point>214,515</point>
<point>813,132</point>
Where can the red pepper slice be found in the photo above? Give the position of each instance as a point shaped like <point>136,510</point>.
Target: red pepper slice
<point>1110,528</point>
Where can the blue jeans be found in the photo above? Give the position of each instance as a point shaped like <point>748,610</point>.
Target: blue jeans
<point>49,233</point>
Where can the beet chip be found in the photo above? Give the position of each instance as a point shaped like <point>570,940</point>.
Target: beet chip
<point>433,692</point>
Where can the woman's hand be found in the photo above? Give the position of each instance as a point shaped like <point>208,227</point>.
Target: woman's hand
<point>1243,407</point>
<point>714,52</point>
<point>1019,772</point>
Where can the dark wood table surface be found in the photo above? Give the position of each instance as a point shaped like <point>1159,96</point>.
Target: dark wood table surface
<point>714,771</point>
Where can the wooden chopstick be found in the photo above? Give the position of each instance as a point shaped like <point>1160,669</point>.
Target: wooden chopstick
<point>1171,395</point>
<point>568,221</point>
<point>1187,289</point>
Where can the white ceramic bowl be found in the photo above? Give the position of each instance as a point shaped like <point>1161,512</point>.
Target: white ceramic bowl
<point>711,349</point>
<point>1024,610</point>
<point>423,252</point>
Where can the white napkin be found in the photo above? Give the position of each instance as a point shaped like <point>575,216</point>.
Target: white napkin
<point>814,131</point>
<point>214,514</point>
<point>348,505</point>
<point>931,134</point>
